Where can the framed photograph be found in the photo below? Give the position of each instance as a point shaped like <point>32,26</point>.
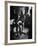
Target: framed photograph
<point>20,22</point>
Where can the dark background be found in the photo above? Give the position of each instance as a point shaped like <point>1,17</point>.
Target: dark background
<point>28,21</point>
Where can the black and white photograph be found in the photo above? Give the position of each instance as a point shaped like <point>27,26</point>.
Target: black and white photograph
<point>21,22</point>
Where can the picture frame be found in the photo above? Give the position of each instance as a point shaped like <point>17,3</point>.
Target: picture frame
<point>24,12</point>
